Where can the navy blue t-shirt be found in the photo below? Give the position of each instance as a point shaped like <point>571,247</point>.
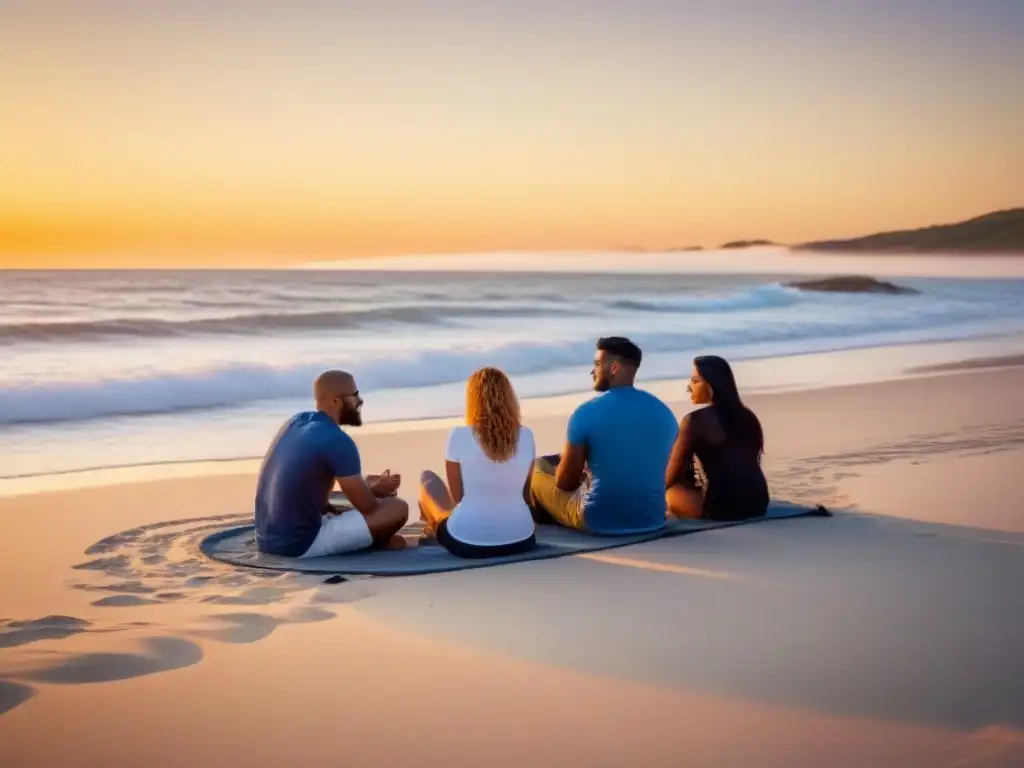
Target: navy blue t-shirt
<point>309,452</point>
<point>629,434</point>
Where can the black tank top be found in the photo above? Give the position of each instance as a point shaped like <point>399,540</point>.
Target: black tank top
<point>734,484</point>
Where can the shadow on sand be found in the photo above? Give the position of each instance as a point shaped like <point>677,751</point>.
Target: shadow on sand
<point>856,615</point>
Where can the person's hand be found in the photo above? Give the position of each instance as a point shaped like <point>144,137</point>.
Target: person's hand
<point>384,485</point>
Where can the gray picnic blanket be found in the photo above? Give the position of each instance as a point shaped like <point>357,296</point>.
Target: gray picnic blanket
<point>237,546</point>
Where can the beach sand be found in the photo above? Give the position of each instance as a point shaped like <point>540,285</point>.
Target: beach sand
<point>888,635</point>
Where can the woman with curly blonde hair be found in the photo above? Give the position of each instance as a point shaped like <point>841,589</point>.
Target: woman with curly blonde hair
<point>483,511</point>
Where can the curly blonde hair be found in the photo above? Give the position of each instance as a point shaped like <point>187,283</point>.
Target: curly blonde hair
<point>492,410</point>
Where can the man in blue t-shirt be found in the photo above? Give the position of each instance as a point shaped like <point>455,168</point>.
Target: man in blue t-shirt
<point>307,456</point>
<point>610,479</point>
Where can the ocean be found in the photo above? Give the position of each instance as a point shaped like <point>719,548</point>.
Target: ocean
<point>116,368</point>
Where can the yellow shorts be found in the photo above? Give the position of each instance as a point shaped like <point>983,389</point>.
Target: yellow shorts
<point>566,507</point>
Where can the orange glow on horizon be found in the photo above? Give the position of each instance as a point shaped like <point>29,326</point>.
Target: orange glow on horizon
<point>170,136</point>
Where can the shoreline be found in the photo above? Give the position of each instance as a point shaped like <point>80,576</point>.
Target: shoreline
<point>673,391</point>
<point>945,350</point>
<point>199,393</point>
<point>972,364</point>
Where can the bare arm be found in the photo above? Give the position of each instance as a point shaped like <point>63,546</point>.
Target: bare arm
<point>453,471</point>
<point>342,457</point>
<point>682,453</point>
<point>528,485</point>
<point>358,492</point>
<point>569,473</point>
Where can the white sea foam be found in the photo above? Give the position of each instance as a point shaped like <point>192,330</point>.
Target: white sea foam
<point>85,346</point>
<point>667,355</point>
<point>118,367</point>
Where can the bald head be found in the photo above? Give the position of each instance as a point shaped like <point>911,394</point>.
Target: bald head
<point>336,394</point>
<point>333,384</point>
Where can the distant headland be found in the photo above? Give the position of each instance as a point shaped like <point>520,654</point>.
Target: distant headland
<point>992,233</point>
<point>733,244</point>
<point>998,232</point>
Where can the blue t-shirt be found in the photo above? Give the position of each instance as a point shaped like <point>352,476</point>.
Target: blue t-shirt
<point>298,473</point>
<point>629,434</point>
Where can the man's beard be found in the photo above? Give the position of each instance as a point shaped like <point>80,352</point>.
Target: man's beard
<point>350,417</point>
<point>601,384</point>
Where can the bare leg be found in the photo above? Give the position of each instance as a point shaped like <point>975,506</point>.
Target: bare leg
<point>683,502</point>
<point>436,501</point>
<point>386,521</point>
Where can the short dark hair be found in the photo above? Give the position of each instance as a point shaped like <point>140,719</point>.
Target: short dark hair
<point>621,347</point>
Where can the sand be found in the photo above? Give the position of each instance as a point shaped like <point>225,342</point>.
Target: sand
<point>888,635</point>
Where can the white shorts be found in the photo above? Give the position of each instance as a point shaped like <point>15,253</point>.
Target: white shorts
<point>342,533</point>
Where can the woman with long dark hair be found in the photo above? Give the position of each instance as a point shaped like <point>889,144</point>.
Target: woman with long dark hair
<point>726,439</point>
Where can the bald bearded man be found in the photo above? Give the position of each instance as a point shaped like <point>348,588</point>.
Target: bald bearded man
<point>307,456</point>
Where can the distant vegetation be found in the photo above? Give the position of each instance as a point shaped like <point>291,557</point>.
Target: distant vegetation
<point>999,232</point>
<point>745,244</point>
<point>850,284</point>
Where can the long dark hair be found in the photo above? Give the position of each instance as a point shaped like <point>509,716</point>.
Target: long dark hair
<point>738,422</point>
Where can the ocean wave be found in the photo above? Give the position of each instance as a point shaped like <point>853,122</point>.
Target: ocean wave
<point>762,297</point>
<point>237,384</point>
<point>70,331</point>
<point>424,312</point>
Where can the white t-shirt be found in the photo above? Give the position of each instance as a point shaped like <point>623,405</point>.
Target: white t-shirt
<point>492,511</point>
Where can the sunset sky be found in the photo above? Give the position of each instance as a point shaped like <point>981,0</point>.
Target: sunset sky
<point>155,132</point>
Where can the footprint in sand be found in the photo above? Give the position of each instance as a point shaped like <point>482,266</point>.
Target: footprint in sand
<point>246,627</point>
<point>238,627</point>
<point>159,654</point>
<point>18,633</point>
<point>260,595</point>
<point>15,633</point>
<point>116,562</point>
<point>123,601</point>
<point>304,614</point>
<point>13,694</point>
<point>161,563</point>
<point>124,587</point>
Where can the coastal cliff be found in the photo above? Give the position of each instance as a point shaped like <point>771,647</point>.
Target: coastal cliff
<point>998,232</point>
